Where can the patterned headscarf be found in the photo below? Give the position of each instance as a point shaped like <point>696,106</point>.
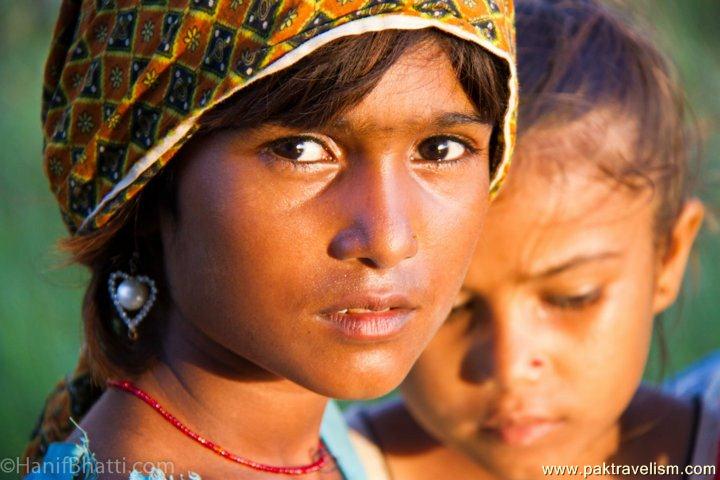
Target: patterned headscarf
<point>126,80</point>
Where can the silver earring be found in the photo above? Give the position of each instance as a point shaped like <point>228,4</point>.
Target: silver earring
<point>135,293</point>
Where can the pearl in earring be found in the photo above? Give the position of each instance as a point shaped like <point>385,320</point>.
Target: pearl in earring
<point>132,293</point>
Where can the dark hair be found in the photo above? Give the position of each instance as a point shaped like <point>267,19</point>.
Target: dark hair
<point>310,93</point>
<point>576,57</point>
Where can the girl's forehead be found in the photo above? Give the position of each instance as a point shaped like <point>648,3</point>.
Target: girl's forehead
<point>562,201</point>
<point>575,194</point>
<point>547,226</point>
<point>572,165</point>
<point>419,82</point>
<point>605,135</point>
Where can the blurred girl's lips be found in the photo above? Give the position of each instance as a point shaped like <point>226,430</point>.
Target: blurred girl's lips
<point>370,317</point>
<point>524,432</point>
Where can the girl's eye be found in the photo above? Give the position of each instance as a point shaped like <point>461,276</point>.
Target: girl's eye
<point>573,302</point>
<point>442,149</point>
<point>300,150</point>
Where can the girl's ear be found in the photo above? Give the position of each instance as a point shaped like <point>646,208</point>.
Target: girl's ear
<point>673,263</point>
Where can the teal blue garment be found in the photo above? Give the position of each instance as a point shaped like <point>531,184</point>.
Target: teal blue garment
<point>335,434</point>
<point>69,461</point>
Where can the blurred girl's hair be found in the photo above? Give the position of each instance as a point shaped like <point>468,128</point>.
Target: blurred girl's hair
<point>577,57</point>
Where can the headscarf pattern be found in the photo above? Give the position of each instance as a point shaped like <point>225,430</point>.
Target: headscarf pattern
<point>126,80</point>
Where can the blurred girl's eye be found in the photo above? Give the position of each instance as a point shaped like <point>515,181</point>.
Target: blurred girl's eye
<point>573,302</point>
<point>443,149</point>
<point>301,150</point>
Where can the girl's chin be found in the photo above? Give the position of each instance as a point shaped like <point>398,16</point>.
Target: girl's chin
<point>356,385</point>
<point>361,390</point>
<point>360,375</point>
<point>513,463</point>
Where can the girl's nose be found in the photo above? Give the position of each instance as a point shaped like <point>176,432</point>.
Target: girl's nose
<point>517,351</point>
<point>509,346</point>
<point>380,218</point>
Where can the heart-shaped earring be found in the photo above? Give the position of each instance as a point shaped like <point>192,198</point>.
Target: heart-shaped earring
<point>133,294</point>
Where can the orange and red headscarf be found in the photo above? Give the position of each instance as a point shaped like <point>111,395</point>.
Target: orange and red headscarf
<point>126,80</point>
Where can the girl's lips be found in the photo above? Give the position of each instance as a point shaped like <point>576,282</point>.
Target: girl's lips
<point>525,432</point>
<point>369,325</point>
<point>369,316</point>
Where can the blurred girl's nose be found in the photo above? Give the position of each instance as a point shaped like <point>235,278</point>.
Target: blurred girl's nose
<point>507,349</point>
<point>517,348</point>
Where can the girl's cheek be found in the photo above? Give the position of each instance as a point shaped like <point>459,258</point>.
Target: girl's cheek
<point>608,357</point>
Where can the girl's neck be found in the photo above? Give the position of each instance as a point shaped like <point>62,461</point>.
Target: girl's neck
<point>220,396</point>
<point>267,421</point>
<point>235,403</point>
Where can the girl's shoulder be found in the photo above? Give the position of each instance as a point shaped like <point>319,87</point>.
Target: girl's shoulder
<point>701,379</point>
<point>706,439</point>
<point>71,461</point>
<point>701,383</point>
<point>365,439</point>
<point>383,433</point>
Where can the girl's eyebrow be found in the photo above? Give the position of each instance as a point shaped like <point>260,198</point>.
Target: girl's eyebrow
<point>447,119</point>
<point>458,118</point>
<point>574,262</point>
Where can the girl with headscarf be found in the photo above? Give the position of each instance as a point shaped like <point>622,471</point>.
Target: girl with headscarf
<point>277,202</point>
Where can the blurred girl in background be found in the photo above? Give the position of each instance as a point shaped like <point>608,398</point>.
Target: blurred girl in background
<point>541,360</point>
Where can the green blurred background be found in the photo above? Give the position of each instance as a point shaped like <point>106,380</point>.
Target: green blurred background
<point>40,299</point>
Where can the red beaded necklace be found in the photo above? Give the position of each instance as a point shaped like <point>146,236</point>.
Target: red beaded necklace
<point>129,387</point>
